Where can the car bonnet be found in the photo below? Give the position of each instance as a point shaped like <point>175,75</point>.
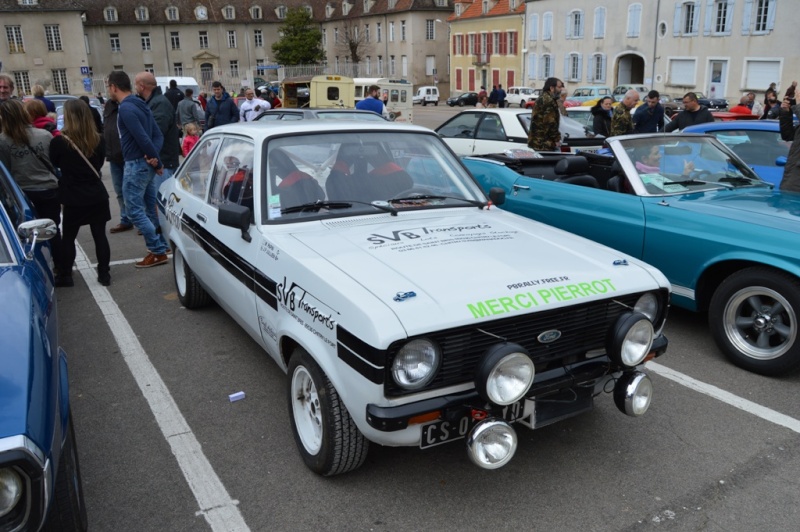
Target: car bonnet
<point>457,269</point>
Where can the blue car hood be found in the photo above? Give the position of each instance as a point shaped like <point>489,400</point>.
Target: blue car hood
<point>26,365</point>
<point>769,208</point>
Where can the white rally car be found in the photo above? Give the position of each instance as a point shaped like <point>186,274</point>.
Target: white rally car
<point>404,307</point>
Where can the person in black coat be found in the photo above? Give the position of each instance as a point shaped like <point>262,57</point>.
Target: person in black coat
<point>174,94</point>
<point>98,120</point>
<point>601,111</point>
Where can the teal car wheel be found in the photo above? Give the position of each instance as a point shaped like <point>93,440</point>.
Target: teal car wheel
<point>753,316</point>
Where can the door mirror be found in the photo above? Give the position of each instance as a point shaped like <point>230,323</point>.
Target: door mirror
<point>497,195</point>
<point>236,216</point>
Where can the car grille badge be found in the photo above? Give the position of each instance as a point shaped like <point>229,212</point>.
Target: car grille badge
<point>550,336</point>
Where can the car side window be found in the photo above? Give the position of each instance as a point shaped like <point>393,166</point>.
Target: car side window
<point>195,175</point>
<point>233,174</point>
<point>462,126</point>
<point>491,128</point>
<point>15,210</point>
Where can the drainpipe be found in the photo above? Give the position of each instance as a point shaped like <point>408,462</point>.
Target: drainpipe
<point>655,45</point>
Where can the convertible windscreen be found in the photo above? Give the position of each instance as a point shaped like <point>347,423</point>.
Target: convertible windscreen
<point>687,164</point>
<point>365,171</point>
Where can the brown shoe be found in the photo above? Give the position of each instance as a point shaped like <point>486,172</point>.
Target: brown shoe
<point>152,260</point>
<point>119,228</point>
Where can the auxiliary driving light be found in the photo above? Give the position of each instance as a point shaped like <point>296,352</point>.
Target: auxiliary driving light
<point>492,443</point>
<point>630,339</point>
<point>633,393</point>
<point>505,374</point>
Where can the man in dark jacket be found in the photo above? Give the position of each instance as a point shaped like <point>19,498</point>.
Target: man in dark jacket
<point>221,109</point>
<point>164,114</point>
<point>693,113</point>
<point>115,161</point>
<point>649,118</point>
<point>173,94</point>
<point>790,133</point>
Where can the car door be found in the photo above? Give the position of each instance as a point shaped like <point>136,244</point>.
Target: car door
<point>491,136</point>
<point>611,218</point>
<point>459,132</point>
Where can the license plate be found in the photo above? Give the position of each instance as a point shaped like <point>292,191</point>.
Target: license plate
<point>440,432</point>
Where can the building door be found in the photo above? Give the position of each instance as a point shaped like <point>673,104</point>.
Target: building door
<point>206,74</point>
<point>717,74</point>
<point>630,70</point>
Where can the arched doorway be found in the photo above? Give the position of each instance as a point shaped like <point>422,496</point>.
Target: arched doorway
<point>630,69</point>
<point>206,74</point>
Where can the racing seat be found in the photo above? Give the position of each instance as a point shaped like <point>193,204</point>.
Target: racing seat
<point>239,188</point>
<point>346,180</point>
<point>295,187</point>
<point>575,171</point>
<point>388,180</point>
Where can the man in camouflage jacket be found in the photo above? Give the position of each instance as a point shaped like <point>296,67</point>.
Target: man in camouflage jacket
<point>621,121</point>
<point>544,134</point>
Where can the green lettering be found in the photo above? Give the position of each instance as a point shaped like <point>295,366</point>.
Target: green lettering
<point>521,300</point>
<point>575,291</point>
<point>494,306</point>
<point>600,287</point>
<point>545,294</point>
<point>608,282</point>
<point>561,292</point>
<point>508,304</point>
<point>587,288</point>
<point>479,310</point>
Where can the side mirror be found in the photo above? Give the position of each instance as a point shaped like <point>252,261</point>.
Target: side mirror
<point>780,161</point>
<point>497,195</point>
<point>236,216</point>
<point>39,230</point>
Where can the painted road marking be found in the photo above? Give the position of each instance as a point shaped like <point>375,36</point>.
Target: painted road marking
<point>216,505</point>
<point>750,407</point>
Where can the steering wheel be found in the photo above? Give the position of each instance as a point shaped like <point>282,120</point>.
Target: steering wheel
<point>699,174</point>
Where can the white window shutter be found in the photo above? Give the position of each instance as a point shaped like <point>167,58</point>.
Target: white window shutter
<point>748,11</point>
<point>711,15</point>
<point>602,68</point>
<point>532,66</point>
<point>590,69</point>
<point>533,28</point>
<point>696,18</point>
<point>580,67</point>
<point>581,25</point>
<point>771,15</point>
<point>729,18</point>
<point>676,23</point>
<point>568,33</point>
<point>566,67</point>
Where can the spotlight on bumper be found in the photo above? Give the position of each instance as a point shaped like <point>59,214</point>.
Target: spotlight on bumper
<point>633,393</point>
<point>492,443</point>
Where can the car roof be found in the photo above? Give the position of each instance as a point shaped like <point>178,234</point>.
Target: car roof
<point>258,132</point>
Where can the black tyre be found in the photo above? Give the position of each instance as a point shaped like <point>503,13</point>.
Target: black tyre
<point>753,317</point>
<point>436,103</point>
<point>424,103</point>
<point>461,103</point>
<point>328,440</point>
<point>67,509</point>
<point>190,292</point>
<point>522,103</point>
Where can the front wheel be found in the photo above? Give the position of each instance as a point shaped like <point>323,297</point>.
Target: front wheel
<point>190,293</point>
<point>461,103</point>
<point>325,434</point>
<point>68,508</point>
<point>424,103</point>
<point>753,317</point>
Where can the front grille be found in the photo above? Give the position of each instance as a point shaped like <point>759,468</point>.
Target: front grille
<point>583,328</point>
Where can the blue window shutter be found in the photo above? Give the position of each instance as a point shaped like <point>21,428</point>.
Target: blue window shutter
<point>711,16</point>
<point>580,67</point>
<point>533,28</point>
<point>532,66</point>
<point>581,25</point>
<point>771,15</point>
<point>590,68</point>
<point>566,68</point>
<point>748,11</point>
<point>729,18</point>
<point>696,18</point>
<point>603,68</point>
<point>676,23</point>
<point>568,32</point>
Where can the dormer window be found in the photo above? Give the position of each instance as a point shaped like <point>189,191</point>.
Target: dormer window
<point>255,13</point>
<point>366,6</point>
<point>485,7</point>
<point>28,2</point>
<point>308,10</point>
<point>392,4</point>
<point>228,13</point>
<point>512,4</point>
<point>346,7</point>
<point>329,9</point>
<point>281,12</point>
<point>172,13</point>
<point>110,14</point>
<point>142,14</point>
<point>458,10</point>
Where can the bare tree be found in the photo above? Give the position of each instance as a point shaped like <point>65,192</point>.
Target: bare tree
<point>352,42</point>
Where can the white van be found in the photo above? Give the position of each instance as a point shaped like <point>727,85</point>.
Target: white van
<point>427,94</point>
<point>182,81</point>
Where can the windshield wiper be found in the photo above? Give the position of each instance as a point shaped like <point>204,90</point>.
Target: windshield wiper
<point>742,180</point>
<point>477,203</point>
<point>319,204</point>
<point>697,182</point>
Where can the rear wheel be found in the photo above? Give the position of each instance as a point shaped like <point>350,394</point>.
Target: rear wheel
<point>424,103</point>
<point>68,509</point>
<point>190,292</point>
<point>461,103</point>
<point>753,317</point>
<point>325,434</point>
<point>436,103</point>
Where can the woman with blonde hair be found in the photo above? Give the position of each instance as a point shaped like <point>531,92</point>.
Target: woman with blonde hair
<point>38,94</point>
<point>24,150</point>
<point>39,118</point>
<point>80,152</point>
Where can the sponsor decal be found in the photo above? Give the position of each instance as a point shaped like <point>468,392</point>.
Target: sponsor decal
<point>416,238</point>
<point>537,282</point>
<point>269,249</point>
<point>173,212</point>
<point>543,296</point>
<point>307,310</point>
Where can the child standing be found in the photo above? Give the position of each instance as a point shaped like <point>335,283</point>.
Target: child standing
<point>190,138</point>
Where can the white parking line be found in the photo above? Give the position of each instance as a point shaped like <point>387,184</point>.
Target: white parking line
<point>726,397</point>
<point>220,511</point>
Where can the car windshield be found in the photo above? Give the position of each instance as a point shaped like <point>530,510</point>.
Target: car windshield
<point>686,164</point>
<point>341,174</point>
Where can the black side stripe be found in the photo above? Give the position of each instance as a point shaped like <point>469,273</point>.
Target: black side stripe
<point>373,355</point>
<point>255,281</point>
<point>371,373</point>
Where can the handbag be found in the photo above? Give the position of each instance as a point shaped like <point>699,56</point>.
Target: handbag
<point>74,147</point>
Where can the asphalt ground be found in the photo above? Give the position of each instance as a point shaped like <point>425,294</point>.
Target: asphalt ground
<point>162,448</point>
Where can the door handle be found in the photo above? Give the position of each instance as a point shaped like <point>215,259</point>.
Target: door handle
<point>202,218</point>
<point>521,187</point>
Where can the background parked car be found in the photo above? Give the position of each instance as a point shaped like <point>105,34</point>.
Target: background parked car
<point>467,98</point>
<point>40,480</point>
<point>583,115</point>
<point>592,92</point>
<point>285,113</point>
<point>521,95</point>
<point>713,104</point>
<point>620,90</point>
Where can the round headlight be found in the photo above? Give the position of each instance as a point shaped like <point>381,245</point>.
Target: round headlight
<point>492,443</point>
<point>631,339</point>
<point>10,490</point>
<point>415,364</point>
<point>647,305</point>
<point>633,393</point>
<point>505,374</point>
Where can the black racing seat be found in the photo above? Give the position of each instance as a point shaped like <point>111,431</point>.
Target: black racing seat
<point>575,171</point>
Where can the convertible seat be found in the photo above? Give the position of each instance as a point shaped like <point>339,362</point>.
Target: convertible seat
<point>575,171</point>
<point>618,182</point>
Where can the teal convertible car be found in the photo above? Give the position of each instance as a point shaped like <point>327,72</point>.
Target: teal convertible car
<point>726,240</point>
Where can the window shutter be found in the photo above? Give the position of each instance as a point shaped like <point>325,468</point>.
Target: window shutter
<point>568,33</point>
<point>533,28</point>
<point>729,18</point>
<point>580,67</point>
<point>676,22</point>
<point>590,68</point>
<point>454,44</point>
<point>599,22</point>
<point>603,68</point>
<point>566,67</point>
<point>771,15</point>
<point>711,17</point>
<point>532,66</point>
<point>696,18</point>
<point>581,25</point>
<point>748,11</point>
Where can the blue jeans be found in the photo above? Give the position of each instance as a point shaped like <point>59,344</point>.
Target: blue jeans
<point>117,171</point>
<point>139,191</point>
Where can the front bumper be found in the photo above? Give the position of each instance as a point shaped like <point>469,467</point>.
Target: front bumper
<point>574,381</point>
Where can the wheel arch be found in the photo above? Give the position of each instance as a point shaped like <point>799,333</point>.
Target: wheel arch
<point>714,274</point>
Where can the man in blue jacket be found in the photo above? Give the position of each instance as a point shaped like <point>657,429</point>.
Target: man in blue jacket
<point>372,102</point>
<point>141,142</point>
<point>221,109</point>
<point>649,118</point>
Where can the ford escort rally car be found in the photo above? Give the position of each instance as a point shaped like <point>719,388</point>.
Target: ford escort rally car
<point>405,308</point>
